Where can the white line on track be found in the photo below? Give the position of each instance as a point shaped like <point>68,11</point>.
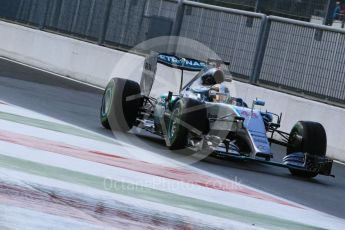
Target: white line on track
<point>52,73</point>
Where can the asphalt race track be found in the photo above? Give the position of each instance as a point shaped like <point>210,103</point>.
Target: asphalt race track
<point>79,104</point>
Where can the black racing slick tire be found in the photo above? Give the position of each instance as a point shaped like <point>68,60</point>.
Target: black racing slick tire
<point>120,104</point>
<point>188,115</point>
<point>307,137</point>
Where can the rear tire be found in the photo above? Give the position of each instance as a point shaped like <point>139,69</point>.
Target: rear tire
<point>120,104</point>
<point>310,137</point>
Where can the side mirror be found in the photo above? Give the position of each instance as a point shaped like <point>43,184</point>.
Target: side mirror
<point>259,102</point>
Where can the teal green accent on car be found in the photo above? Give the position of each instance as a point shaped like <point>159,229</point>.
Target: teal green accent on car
<point>163,98</point>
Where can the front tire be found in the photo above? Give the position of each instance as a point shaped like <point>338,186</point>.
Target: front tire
<point>188,115</point>
<point>120,104</point>
<point>307,137</point>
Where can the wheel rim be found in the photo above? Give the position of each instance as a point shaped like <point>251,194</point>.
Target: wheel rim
<point>173,124</point>
<point>295,142</point>
<point>106,103</point>
<point>296,139</point>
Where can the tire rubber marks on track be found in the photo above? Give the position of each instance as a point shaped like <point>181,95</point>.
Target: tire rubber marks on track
<point>89,210</point>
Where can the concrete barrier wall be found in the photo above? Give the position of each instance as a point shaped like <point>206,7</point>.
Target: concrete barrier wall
<point>95,65</point>
<point>66,56</point>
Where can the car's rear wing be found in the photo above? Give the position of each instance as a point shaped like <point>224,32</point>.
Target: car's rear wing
<point>188,64</point>
<point>181,63</point>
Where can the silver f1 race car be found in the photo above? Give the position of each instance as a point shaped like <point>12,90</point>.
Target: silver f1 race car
<point>203,117</point>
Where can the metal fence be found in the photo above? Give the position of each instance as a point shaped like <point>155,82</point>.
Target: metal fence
<point>287,54</point>
<point>122,23</point>
<point>295,9</point>
<point>232,34</point>
<point>305,58</point>
<point>235,4</point>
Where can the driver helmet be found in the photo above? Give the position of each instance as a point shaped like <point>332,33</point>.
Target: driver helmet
<point>212,77</point>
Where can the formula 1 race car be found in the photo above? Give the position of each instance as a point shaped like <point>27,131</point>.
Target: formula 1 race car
<point>204,117</point>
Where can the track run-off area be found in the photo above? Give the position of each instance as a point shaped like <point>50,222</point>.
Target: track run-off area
<point>60,169</point>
